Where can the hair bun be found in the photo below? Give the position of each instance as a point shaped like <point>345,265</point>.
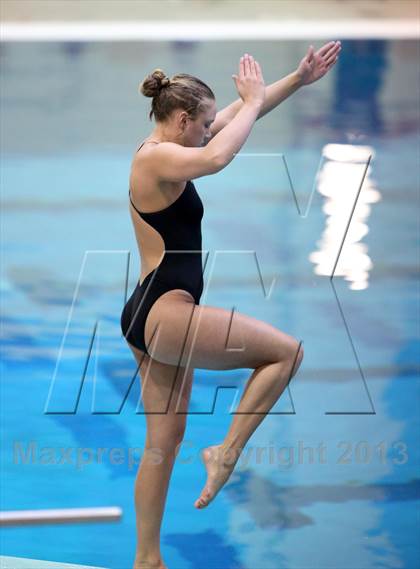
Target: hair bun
<point>154,83</point>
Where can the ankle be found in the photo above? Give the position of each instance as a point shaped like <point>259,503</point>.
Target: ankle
<point>228,455</point>
<point>146,561</point>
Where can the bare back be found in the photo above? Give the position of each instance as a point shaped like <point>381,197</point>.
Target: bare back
<point>149,195</point>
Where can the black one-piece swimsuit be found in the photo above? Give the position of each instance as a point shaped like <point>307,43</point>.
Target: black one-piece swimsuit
<point>179,225</point>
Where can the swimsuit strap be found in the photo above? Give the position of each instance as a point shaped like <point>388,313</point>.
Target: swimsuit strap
<point>129,193</point>
<point>144,142</point>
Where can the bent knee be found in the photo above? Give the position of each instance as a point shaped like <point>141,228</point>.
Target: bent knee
<point>296,355</point>
<point>291,351</point>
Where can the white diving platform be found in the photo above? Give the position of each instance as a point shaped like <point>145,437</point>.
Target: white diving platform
<point>21,563</point>
<point>59,516</point>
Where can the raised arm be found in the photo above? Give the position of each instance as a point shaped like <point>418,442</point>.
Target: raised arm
<point>311,68</point>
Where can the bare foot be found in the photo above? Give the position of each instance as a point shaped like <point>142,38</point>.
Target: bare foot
<point>218,469</point>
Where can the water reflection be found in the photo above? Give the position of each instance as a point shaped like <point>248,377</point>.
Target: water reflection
<point>345,179</point>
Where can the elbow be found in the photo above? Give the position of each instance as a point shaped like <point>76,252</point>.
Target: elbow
<point>220,161</point>
<point>217,158</point>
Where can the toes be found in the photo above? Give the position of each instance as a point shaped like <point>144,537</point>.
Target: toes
<point>203,500</point>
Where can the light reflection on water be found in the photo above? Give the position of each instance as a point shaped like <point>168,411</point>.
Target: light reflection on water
<point>347,183</point>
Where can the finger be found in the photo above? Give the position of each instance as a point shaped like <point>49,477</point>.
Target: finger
<point>329,65</point>
<point>329,60</point>
<point>247,66</point>
<point>332,50</point>
<point>241,68</point>
<point>310,54</point>
<point>259,71</point>
<point>331,56</point>
<point>252,66</point>
<point>323,50</point>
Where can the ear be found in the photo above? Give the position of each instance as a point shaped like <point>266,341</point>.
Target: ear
<point>183,116</point>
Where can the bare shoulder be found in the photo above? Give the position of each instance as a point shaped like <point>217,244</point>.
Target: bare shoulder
<point>142,181</point>
<point>175,163</point>
<point>145,182</point>
<point>148,158</point>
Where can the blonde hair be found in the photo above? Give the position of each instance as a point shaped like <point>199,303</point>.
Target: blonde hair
<point>182,91</point>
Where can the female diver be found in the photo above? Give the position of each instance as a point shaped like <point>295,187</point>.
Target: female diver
<point>166,328</point>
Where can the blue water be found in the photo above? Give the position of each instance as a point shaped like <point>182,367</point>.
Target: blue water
<point>331,478</point>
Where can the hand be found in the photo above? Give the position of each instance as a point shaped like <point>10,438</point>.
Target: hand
<point>315,65</point>
<point>250,82</point>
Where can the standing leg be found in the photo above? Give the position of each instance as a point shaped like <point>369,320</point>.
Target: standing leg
<point>166,391</point>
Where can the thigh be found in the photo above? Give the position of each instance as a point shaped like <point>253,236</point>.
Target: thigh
<point>165,393</point>
<point>179,332</point>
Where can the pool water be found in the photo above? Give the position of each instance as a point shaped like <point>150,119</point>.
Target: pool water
<point>326,186</point>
